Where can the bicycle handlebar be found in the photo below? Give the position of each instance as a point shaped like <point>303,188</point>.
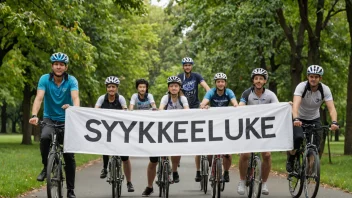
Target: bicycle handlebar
<point>42,123</point>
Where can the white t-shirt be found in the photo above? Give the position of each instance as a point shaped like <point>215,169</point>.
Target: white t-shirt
<point>142,105</point>
<point>172,105</point>
<point>310,104</point>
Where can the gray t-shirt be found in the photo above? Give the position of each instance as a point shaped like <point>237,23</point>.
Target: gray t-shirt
<point>142,105</point>
<point>310,104</point>
<point>172,105</point>
<point>250,98</point>
<point>101,100</point>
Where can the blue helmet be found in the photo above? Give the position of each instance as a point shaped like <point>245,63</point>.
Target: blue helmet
<point>59,57</point>
<point>187,60</point>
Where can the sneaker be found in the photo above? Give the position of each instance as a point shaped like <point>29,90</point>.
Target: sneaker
<point>103,173</point>
<point>198,177</point>
<point>147,192</point>
<point>71,193</point>
<point>176,177</point>
<point>265,190</point>
<point>226,176</point>
<point>130,187</point>
<point>42,175</point>
<point>241,187</point>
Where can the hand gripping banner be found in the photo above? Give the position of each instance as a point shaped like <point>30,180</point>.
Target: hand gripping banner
<point>224,130</point>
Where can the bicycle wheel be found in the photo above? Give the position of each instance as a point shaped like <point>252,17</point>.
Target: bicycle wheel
<point>213,182</point>
<point>54,179</point>
<point>311,174</point>
<point>113,176</point>
<point>249,175</point>
<point>159,182</point>
<point>205,171</point>
<point>201,174</point>
<point>166,180</point>
<point>295,179</point>
<point>219,178</point>
<point>256,183</point>
<point>119,177</point>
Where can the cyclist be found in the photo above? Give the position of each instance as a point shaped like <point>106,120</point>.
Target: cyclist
<point>112,100</point>
<point>307,99</point>
<point>59,91</point>
<point>220,96</point>
<point>173,100</point>
<point>256,95</point>
<point>142,100</point>
<point>190,81</point>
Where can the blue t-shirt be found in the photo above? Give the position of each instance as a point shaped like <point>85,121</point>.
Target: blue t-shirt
<point>55,96</point>
<point>190,88</point>
<point>219,101</point>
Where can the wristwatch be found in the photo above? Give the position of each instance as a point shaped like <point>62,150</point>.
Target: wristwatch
<point>34,116</point>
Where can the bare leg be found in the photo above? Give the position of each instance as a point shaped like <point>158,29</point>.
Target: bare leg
<point>227,161</point>
<point>175,161</point>
<point>266,165</point>
<point>243,165</point>
<point>127,169</point>
<point>151,173</point>
<point>197,160</point>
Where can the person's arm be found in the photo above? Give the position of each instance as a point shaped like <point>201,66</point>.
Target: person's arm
<point>204,103</point>
<point>242,104</point>
<point>163,102</point>
<point>184,102</point>
<point>296,104</point>
<point>234,102</point>
<point>152,101</point>
<point>333,114</point>
<point>75,98</point>
<point>36,106</point>
<point>131,107</point>
<point>123,102</point>
<point>205,85</point>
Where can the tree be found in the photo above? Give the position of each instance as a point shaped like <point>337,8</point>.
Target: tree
<point>348,133</point>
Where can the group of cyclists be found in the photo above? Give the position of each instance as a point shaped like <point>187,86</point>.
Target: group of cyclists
<point>59,90</point>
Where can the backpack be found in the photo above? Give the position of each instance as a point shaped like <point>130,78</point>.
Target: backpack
<point>169,100</point>
<point>114,105</point>
<point>320,88</point>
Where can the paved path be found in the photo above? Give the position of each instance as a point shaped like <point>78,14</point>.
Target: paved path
<point>89,185</point>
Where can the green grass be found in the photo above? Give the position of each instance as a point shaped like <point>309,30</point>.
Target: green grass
<point>338,174</point>
<point>20,165</point>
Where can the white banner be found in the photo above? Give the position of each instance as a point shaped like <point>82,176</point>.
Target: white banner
<point>224,130</point>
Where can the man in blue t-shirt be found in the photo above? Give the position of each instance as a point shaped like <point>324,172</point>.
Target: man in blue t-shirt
<point>190,82</point>
<point>220,96</point>
<point>59,91</point>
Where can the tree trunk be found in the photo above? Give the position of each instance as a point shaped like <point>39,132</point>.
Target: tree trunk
<point>3,117</point>
<point>323,118</point>
<point>26,127</point>
<point>14,126</point>
<point>348,131</point>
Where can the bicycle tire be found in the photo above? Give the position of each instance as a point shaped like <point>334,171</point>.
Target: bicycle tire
<point>113,176</point>
<point>257,178</point>
<point>160,174</point>
<point>205,175</point>
<point>213,182</point>
<point>219,177</point>
<point>311,175</point>
<point>201,173</point>
<point>119,177</point>
<point>249,181</point>
<point>166,180</point>
<point>54,180</point>
<point>295,179</point>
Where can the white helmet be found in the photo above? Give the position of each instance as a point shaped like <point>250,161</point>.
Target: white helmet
<point>315,69</point>
<point>220,76</point>
<point>187,60</point>
<point>112,80</point>
<point>174,79</point>
<point>260,71</point>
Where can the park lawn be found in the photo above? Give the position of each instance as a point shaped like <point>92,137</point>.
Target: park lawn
<point>21,164</point>
<point>338,174</point>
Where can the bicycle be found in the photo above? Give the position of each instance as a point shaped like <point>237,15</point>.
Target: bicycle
<point>217,181</point>
<point>204,173</point>
<point>116,176</point>
<point>163,174</point>
<point>254,177</point>
<point>306,172</point>
<point>55,178</point>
